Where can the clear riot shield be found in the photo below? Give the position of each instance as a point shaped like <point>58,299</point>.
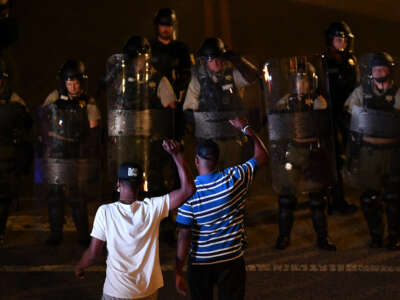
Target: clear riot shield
<point>299,126</point>
<point>62,168</point>
<point>137,122</point>
<point>373,147</point>
<point>60,159</point>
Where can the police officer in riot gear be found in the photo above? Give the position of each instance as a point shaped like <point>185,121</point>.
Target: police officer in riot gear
<point>213,96</point>
<point>15,122</point>
<point>141,104</point>
<point>343,76</point>
<point>300,140</point>
<point>169,56</point>
<point>374,148</point>
<point>68,143</point>
<point>172,59</point>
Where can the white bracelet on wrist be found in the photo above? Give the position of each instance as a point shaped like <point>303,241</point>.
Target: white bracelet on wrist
<point>244,128</point>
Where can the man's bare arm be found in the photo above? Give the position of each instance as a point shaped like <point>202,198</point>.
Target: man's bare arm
<point>260,151</point>
<point>89,257</point>
<point>187,188</point>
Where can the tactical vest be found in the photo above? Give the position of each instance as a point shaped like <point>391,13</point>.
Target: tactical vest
<point>384,102</point>
<point>342,77</point>
<point>218,96</point>
<point>141,96</point>
<point>68,120</point>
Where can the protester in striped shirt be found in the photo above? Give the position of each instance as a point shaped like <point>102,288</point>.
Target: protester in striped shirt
<point>211,222</point>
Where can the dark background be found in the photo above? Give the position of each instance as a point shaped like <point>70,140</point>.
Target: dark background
<point>52,31</point>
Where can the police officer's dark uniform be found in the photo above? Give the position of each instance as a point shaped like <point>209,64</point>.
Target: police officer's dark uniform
<point>343,76</point>
<point>213,98</point>
<point>68,147</point>
<point>172,59</point>
<point>300,162</point>
<point>374,149</point>
<point>15,122</point>
<point>141,105</point>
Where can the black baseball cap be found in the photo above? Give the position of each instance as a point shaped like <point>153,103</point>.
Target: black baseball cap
<point>130,171</point>
<point>207,149</point>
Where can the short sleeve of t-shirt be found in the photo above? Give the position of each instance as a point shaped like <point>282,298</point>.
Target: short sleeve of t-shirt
<point>99,224</point>
<point>165,92</point>
<point>160,206</point>
<point>246,171</point>
<point>93,111</point>
<point>185,214</point>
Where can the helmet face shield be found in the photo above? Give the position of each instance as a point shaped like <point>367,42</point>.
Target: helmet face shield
<point>212,48</point>
<point>141,68</point>
<point>71,71</point>
<point>380,67</point>
<point>303,77</point>
<point>340,37</point>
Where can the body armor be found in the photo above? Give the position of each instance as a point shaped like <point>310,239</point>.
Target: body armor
<point>299,127</point>
<point>137,124</point>
<point>218,103</point>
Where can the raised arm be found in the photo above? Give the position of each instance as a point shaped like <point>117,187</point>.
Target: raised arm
<point>187,188</point>
<point>260,151</point>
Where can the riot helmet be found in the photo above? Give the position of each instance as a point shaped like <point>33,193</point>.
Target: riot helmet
<point>212,48</point>
<point>136,45</point>
<point>73,70</point>
<point>137,52</point>
<point>381,59</point>
<point>341,30</point>
<point>166,17</point>
<point>303,76</point>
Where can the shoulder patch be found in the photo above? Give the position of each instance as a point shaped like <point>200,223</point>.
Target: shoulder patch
<point>389,98</point>
<point>351,62</point>
<point>82,103</point>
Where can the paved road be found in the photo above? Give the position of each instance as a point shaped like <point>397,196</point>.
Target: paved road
<point>31,270</point>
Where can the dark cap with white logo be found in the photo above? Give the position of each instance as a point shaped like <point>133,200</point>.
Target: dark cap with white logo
<point>130,171</point>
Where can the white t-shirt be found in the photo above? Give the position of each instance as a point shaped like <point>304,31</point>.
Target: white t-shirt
<point>131,232</point>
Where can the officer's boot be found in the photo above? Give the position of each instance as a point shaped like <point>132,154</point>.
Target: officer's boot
<point>80,215</point>
<point>317,207</point>
<point>287,204</point>
<point>56,214</point>
<point>4,209</point>
<point>372,209</point>
<point>393,220</point>
<point>337,203</point>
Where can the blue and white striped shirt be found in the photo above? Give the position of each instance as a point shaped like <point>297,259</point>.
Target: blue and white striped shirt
<point>215,214</point>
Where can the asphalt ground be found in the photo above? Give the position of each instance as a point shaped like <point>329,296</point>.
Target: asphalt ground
<point>29,269</point>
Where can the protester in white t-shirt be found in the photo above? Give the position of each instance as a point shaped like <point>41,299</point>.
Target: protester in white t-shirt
<point>130,228</point>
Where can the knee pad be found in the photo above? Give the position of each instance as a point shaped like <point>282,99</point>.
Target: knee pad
<point>287,202</point>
